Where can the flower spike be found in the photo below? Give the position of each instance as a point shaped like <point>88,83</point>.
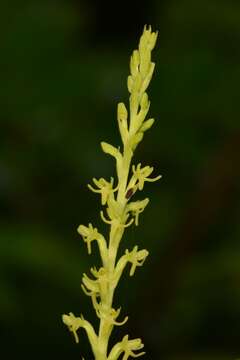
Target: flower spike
<point>119,212</point>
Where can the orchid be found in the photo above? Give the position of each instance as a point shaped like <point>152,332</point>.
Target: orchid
<point>118,213</point>
<point>141,175</point>
<point>105,188</point>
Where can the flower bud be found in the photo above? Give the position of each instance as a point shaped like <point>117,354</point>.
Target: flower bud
<point>147,125</point>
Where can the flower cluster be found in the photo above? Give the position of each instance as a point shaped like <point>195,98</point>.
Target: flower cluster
<point>119,213</point>
<point>126,346</point>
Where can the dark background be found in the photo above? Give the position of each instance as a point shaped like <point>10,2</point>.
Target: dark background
<point>63,69</point>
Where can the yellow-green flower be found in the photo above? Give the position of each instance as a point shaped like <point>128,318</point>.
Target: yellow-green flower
<point>105,188</point>
<point>136,257</point>
<point>140,175</point>
<point>137,207</point>
<point>73,323</point>
<point>89,234</point>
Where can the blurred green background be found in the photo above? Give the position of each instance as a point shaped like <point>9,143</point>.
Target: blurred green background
<point>63,70</point>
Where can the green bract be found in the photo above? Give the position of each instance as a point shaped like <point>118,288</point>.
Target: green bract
<point>120,213</point>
